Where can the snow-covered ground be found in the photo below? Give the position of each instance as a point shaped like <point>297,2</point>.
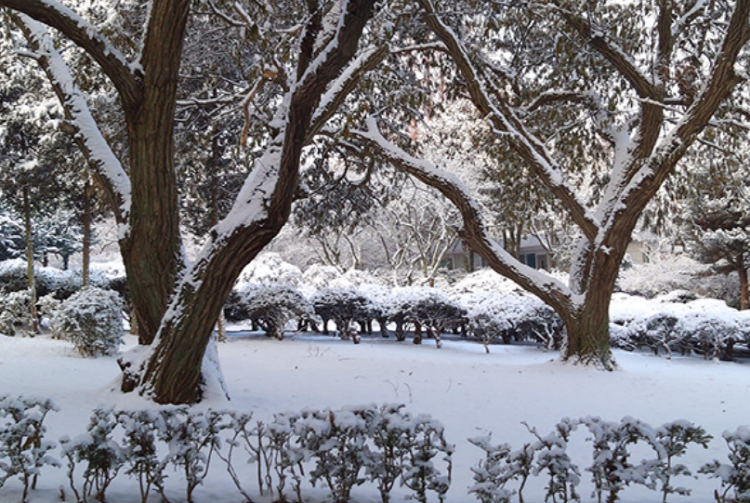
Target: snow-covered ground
<point>470,392</point>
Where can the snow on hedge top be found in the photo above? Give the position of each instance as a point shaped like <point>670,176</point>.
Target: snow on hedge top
<point>269,268</point>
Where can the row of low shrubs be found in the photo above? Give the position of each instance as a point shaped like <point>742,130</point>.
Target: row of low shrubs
<point>504,472</point>
<point>421,310</point>
<point>705,327</point>
<point>339,449</point>
<point>346,448</point>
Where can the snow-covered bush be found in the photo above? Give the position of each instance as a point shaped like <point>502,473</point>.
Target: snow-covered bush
<point>735,476</point>
<point>512,317</point>
<point>101,456</point>
<point>670,441</point>
<point>705,326</point>
<point>429,309</point>
<point>92,320</point>
<point>319,276</point>
<point>611,469</point>
<point>15,313</point>
<point>547,455</point>
<point>274,306</point>
<point>192,439</point>
<point>552,459</point>
<point>337,444</point>
<point>342,448</point>
<point>14,275</point>
<point>269,269</point>
<point>139,442</point>
<point>425,440</point>
<point>23,449</point>
<point>343,307</point>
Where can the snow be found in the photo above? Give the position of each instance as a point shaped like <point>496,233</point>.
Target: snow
<point>471,393</point>
<point>97,145</point>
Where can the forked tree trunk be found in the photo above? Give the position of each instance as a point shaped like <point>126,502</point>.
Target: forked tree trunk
<point>174,370</point>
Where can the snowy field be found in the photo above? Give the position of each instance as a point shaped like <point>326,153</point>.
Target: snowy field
<point>470,392</point>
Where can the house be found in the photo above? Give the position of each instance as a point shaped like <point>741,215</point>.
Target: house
<point>531,252</point>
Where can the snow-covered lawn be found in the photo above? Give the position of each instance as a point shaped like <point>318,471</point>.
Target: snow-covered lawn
<point>470,392</point>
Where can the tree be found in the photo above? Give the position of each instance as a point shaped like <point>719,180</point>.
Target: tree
<point>605,92</point>
<point>177,304</point>
<point>717,221</point>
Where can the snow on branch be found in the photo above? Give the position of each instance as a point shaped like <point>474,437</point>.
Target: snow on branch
<point>330,102</point>
<point>642,84</point>
<point>475,230</point>
<point>93,144</point>
<point>80,31</point>
<point>719,87</point>
<point>506,123</point>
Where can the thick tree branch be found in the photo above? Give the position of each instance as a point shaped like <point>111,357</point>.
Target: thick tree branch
<point>343,86</point>
<point>502,118</point>
<point>722,82</point>
<point>475,231</point>
<point>69,23</point>
<point>92,144</point>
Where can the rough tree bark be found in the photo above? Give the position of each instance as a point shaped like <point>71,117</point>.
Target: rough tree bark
<point>653,155</point>
<point>145,200</point>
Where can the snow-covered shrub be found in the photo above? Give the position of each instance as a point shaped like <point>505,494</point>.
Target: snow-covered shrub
<point>273,307</point>
<point>342,448</point>
<point>14,275</point>
<point>337,444</point>
<point>192,439</point>
<point>735,476</point>
<point>92,320</point>
<point>23,449</point>
<point>139,442</point>
<point>611,469</point>
<point>425,440</point>
<point>344,307</point>
<point>15,313</point>
<point>707,334</point>
<point>512,317</point>
<point>269,269</point>
<point>388,437</point>
<point>707,327</point>
<point>552,458</point>
<point>319,276</point>
<point>674,272</point>
<point>547,455</point>
<point>102,457</point>
<point>435,313</point>
<point>670,441</point>
<point>493,473</point>
<point>283,456</point>
<point>425,308</point>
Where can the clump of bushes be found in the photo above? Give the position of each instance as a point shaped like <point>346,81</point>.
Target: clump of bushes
<point>92,320</point>
<point>272,307</point>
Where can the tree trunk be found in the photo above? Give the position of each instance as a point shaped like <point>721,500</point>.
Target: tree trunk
<point>174,371</point>
<point>744,298</point>
<point>588,332</point>
<point>30,261</point>
<point>85,266</point>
